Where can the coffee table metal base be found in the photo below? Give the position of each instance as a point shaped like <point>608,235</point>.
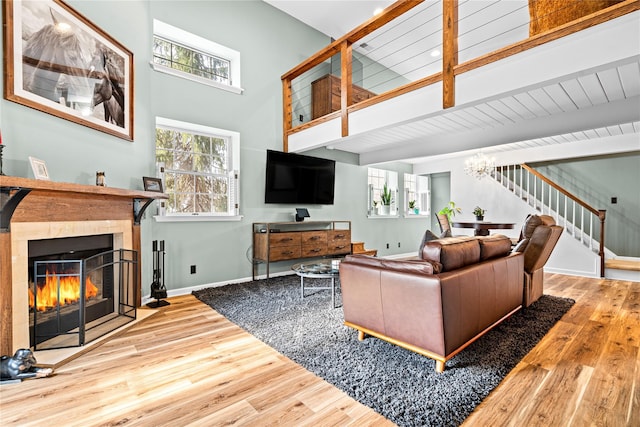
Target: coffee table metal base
<point>310,288</point>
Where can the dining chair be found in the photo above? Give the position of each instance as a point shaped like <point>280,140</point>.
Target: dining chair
<point>443,221</point>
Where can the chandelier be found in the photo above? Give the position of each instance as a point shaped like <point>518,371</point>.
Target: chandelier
<point>479,165</point>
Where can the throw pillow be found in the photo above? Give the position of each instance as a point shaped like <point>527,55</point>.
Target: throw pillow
<point>530,224</point>
<point>428,236</point>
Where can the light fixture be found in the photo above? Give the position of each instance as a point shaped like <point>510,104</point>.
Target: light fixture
<point>378,11</point>
<point>479,165</point>
<point>435,53</point>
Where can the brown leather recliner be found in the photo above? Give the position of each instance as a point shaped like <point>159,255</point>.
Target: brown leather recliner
<point>538,237</point>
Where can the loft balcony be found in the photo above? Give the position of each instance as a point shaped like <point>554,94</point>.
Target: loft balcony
<point>430,78</point>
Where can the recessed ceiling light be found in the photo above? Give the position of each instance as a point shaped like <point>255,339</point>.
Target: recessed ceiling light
<point>378,11</point>
<point>435,53</point>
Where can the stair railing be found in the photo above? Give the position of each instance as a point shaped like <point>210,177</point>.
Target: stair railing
<point>541,192</point>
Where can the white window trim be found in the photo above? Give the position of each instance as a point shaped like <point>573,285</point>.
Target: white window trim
<point>391,177</point>
<point>169,32</point>
<point>235,159</point>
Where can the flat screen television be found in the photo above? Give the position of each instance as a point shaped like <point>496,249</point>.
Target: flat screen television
<point>299,179</point>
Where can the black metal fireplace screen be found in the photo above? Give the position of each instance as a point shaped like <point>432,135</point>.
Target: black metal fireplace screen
<point>73,302</point>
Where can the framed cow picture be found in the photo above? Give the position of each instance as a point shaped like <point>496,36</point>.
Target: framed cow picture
<point>59,62</point>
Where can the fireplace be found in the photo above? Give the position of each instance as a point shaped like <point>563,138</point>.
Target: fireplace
<point>80,288</point>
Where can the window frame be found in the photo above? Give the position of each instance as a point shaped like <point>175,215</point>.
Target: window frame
<point>419,185</point>
<point>233,192</point>
<point>373,191</point>
<point>201,45</point>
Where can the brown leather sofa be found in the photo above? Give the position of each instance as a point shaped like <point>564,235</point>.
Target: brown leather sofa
<point>538,237</point>
<point>439,304</point>
<point>456,290</point>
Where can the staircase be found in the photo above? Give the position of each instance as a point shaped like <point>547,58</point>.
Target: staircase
<point>585,223</point>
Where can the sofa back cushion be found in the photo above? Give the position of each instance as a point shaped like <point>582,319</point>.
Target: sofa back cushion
<point>404,266</point>
<point>494,246</point>
<point>452,252</point>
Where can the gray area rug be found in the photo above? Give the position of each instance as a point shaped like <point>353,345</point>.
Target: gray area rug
<point>399,384</point>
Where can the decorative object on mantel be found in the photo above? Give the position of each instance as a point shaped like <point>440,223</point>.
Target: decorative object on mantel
<point>39,168</point>
<point>152,184</point>
<point>479,165</point>
<point>68,67</point>
<point>100,179</point>
<point>21,366</point>
<point>479,213</point>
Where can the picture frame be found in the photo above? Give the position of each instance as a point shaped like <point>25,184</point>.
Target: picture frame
<point>60,63</point>
<point>39,168</point>
<point>152,184</point>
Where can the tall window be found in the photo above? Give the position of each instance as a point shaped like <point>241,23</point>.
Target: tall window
<point>417,195</point>
<point>199,166</point>
<point>189,56</point>
<point>378,180</point>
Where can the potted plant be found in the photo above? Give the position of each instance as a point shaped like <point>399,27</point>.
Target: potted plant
<point>412,207</point>
<point>385,200</point>
<point>479,213</point>
<point>450,210</point>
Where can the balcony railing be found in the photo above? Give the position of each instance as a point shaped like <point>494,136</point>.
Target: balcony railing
<point>416,43</point>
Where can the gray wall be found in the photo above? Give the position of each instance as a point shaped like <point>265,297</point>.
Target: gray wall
<point>596,181</point>
<point>270,43</point>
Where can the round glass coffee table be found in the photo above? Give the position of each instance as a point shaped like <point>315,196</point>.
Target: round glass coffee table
<point>323,269</point>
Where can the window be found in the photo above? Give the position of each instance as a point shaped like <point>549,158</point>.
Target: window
<point>416,190</point>
<point>199,166</point>
<point>377,180</point>
<point>187,55</point>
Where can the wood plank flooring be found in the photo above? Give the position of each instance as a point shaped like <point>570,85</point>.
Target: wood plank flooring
<point>189,366</point>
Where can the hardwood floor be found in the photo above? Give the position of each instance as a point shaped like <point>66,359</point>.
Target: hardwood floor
<point>187,365</point>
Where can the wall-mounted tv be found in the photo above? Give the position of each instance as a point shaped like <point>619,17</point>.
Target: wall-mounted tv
<point>299,179</point>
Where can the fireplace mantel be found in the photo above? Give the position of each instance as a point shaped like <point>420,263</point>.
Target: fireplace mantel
<point>24,200</point>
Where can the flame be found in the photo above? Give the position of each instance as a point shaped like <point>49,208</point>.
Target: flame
<point>47,295</point>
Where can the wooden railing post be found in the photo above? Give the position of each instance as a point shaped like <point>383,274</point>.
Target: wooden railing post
<point>286,113</point>
<point>449,51</point>
<point>346,88</point>
<point>602,215</point>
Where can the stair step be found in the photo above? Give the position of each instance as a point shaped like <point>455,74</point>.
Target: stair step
<point>623,264</point>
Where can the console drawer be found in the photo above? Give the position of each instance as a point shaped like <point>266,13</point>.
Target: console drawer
<point>284,239</point>
<point>314,250</point>
<point>339,237</point>
<point>280,253</point>
<point>338,249</point>
<point>314,238</point>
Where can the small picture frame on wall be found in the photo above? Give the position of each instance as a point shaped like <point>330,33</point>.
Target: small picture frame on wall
<point>39,168</point>
<point>152,184</point>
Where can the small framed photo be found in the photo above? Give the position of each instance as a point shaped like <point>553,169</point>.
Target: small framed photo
<point>152,184</point>
<point>39,168</point>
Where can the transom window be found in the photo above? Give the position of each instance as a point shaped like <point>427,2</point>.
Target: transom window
<point>199,168</point>
<point>189,56</point>
<point>174,55</point>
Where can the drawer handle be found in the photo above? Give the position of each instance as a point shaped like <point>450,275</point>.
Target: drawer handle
<point>340,236</point>
<point>316,250</point>
<point>287,253</point>
<point>314,238</point>
<point>340,247</point>
<point>286,239</point>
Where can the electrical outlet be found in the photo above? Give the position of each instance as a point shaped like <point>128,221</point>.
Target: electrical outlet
<point>387,246</point>
<point>301,118</point>
<point>398,244</point>
<point>193,269</point>
<point>614,200</point>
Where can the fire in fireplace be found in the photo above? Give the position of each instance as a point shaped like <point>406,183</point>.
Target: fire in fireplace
<point>80,288</point>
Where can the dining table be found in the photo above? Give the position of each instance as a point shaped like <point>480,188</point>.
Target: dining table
<point>481,228</point>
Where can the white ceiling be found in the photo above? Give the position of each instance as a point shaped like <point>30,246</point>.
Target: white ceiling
<point>597,103</point>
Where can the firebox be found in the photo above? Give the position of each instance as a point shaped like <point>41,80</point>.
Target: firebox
<point>80,288</point>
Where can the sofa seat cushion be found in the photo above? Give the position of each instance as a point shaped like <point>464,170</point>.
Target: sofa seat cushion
<point>452,252</point>
<point>494,246</point>
<point>403,266</point>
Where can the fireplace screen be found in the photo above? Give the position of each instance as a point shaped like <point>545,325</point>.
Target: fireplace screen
<point>73,302</point>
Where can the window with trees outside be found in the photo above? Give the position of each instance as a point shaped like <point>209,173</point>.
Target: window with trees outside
<point>199,167</point>
<point>192,57</point>
<point>417,195</point>
<point>381,202</point>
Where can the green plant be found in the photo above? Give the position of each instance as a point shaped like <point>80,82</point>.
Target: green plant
<point>412,204</point>
<point>450,210</point>
<point>478,211</point>
<point>385,197</point>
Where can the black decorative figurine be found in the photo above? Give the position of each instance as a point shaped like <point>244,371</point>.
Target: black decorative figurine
<point>21,366</point>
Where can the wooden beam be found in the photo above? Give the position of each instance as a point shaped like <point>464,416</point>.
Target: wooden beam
<point>449,51</point>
